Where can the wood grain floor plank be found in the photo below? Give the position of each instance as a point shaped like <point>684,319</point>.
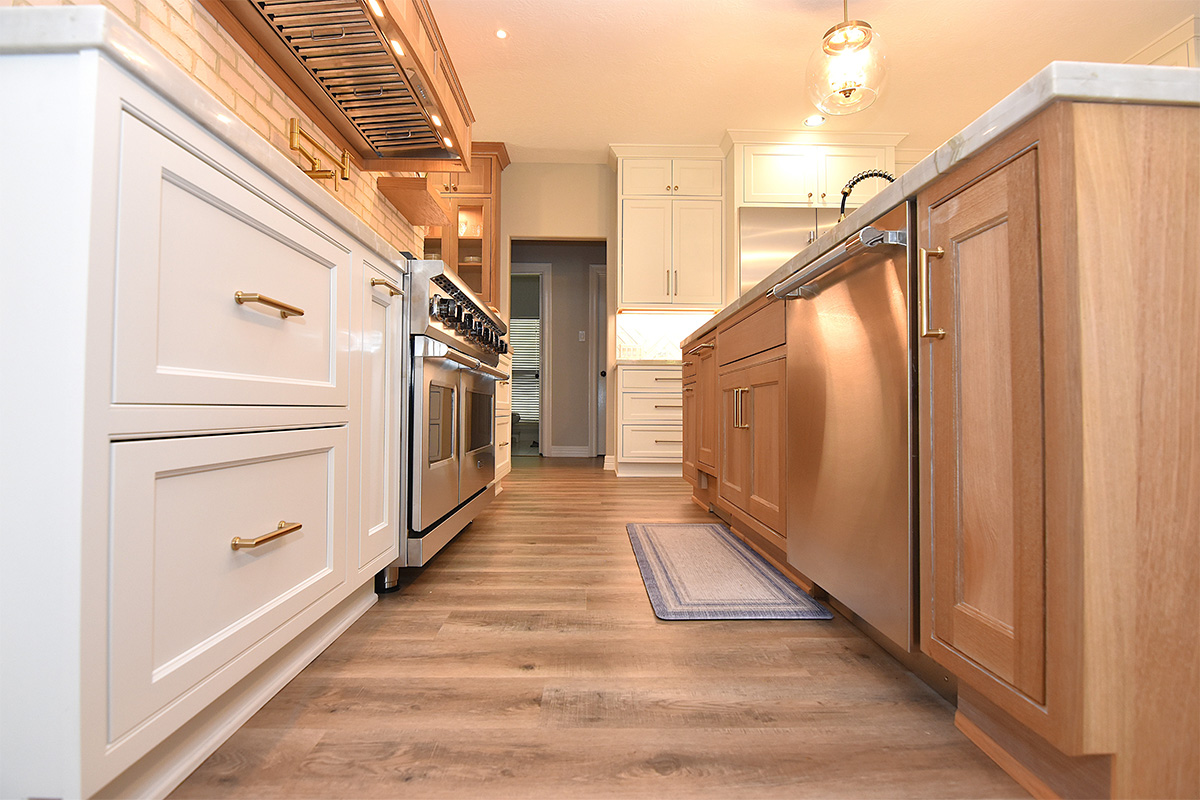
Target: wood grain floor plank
<point>525,661</point>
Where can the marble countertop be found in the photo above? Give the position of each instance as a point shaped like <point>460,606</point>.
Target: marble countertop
<point>1060,80</point>
<point>71,30</point>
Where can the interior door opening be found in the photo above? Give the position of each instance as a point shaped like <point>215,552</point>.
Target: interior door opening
<point>525,343</point>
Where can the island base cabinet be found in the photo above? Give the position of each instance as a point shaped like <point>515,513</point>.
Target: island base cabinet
<point>753,412</point>
<point>1059,392</point>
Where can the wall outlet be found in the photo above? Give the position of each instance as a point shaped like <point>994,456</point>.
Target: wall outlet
<point>583,336</point>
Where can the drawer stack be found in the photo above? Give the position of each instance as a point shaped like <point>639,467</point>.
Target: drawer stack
<point>650,410</point>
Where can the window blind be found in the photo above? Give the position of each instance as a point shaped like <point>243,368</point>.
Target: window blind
<point>525,341</point>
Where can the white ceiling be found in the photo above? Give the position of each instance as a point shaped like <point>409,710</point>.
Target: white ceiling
<point>575,76</point>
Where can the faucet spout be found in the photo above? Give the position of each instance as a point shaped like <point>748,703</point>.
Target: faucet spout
<point>862,176</point>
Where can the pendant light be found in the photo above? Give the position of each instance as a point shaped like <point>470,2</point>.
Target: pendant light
<point>847,72</point>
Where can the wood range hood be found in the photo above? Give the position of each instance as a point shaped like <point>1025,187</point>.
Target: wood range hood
<point>373,75</point>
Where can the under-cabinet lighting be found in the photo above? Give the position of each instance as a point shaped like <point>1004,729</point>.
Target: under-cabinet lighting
<point>376,8</point>
<point>436,120</point>
<point>446,140</point>
<point>396,46</point>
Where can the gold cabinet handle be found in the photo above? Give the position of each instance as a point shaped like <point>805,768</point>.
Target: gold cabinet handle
<point>283,529</point>
<point>675,189</point>
<point>923,257</point>
<point>676,292</point>
<point>285,310</point>
<point>699,347</point>
<point>658,406</point>
<point>680,379</point>
<point>392,288</point>
<point>737,408</point>
<point>689,389</point>
<point>668,441</point>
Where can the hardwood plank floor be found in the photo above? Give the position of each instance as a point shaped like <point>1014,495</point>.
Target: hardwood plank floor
<point>525,661</point>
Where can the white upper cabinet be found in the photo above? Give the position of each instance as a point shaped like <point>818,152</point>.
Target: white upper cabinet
<point>811,175</point>
<point>666,177</point>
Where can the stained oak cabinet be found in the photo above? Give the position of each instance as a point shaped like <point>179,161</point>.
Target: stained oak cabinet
<point>1057,327</point>
<point>752,417</point>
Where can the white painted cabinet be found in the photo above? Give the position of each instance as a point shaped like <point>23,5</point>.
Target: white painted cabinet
<point>672,177</point>
<point>504,418</point>
<point>383,413</point>
<point>803,174</point>
<point>159,419</point>
<point>649,420</point>
<point>671,253</point>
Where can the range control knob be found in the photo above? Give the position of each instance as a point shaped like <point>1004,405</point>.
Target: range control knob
<point>465,322</point>
<point>446,309</point>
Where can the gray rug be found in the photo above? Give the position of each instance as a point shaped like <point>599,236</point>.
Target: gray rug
<point>702,571</point>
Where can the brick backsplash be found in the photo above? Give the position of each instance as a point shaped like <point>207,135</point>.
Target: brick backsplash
<point>189,36</point>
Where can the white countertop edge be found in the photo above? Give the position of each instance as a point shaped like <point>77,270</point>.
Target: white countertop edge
<point>1059,80</point>
<point>72,29</point>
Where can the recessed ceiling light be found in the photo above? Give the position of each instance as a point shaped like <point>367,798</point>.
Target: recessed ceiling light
<point>376,7</point>
<point>501,34</point>
<point>436,120</point>
<point>396,46</point>
<point>815,121</point>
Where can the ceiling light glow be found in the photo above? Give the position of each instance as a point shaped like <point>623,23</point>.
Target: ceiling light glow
<point>501,34</point>
<point>814,121</point>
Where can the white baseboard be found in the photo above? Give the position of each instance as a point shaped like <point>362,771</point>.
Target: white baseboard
<point>610,462</point>
<point>635,469</point>
<point>564,451</point>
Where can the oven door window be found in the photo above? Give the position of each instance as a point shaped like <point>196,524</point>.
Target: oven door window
<point>441,423</point>
<point>480,419</point>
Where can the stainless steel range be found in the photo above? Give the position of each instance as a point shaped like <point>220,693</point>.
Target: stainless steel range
<point>456,345</point>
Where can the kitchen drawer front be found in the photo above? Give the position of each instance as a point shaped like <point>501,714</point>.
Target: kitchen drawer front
<point>503,443</point>
<point>647,407</point>
<point>652,443</point>
<point>189,616</point>
<point>652,379</point>
<point>189,238</point>
<point>504,394</point>
<point>760,331</point>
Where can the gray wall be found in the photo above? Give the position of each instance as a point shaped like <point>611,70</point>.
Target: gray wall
<point>569,314</point>
<point>525,298</point>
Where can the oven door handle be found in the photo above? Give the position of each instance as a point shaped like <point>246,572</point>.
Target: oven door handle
<point>473,364</point>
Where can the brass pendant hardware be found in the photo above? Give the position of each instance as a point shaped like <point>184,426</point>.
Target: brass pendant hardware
<point>283,529</point>
<point>285,309</point>
<point>314,171</point>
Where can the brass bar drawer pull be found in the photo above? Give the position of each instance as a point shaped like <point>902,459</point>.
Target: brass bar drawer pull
<point>699,347</point>
<point>923,257</point>
<point>680,379</point>
<point>656,405</point>
<point>668,441</point>
<point>392,288</point>
<point>284,309</point>
<point>284,529</point>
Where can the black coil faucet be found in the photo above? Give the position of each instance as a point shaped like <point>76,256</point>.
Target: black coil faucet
<point>862,176</point>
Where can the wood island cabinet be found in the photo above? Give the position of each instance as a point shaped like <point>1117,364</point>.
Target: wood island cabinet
<point>752,419</point>
<point>1058,400</point>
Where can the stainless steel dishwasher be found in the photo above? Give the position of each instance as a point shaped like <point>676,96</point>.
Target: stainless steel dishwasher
<point>851,445</point>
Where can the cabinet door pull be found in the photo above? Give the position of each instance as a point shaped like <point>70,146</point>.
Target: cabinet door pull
<point>392,288</point>
<point>699,347</point>
<point>656,405</point>
<point>283,529</point>
<point>676,282</point>
<point>668,441</point>
<point>680,379</point>
<point>737,408</point>
<point>675,189</point>
<point>923,257</point>
<point>284,309</point>
<point>668,283</point>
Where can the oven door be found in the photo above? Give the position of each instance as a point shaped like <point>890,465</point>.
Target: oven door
<point>478,424</point>
<point>436,437</point>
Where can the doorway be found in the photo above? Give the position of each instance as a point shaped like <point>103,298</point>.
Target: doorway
<point>526,342</point>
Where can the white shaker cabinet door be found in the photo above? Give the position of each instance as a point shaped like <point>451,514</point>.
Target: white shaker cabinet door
<point>190,238</point>
<point>646,177</point>
<point>697,177</point>
<point>698,254</point>
<point>383,384</point>
<point>646,251</point>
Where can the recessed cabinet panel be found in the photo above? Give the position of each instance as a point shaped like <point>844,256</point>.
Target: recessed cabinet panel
<point>647,177</point>
<point>646,251</point>
<point>777,175</point>
<point>190,239</point>
<point>697,177</point>
<point>696,243</point>
<point>184,603</point>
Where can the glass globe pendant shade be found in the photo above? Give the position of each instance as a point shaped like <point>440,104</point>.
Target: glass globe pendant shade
<point>847,72</point>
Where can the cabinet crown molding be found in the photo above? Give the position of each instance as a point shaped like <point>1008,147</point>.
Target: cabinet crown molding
<point>616,151</point>
<point>733,137</point>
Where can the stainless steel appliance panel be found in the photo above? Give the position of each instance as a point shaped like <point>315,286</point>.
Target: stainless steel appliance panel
<point>478,421</point>
<point>770,236</point>
<point>436,450</point>
<point>849,517</point>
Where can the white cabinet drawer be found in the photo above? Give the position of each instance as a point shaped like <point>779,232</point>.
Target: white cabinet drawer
<point>189,615</point>
<point>647,407</point>
<point>503,443</point>
<point>654,379</point>
<point>189,238</point>
<point>504,394</point>
<point>652,442</point>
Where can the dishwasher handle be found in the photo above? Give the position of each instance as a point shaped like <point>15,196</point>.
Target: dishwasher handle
<point>865,239</point>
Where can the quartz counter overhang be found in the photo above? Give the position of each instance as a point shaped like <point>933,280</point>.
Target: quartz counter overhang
<point>65,30</point>
<point>1060,80</point>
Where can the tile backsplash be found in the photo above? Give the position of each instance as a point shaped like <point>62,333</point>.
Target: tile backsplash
<point>655,337</point>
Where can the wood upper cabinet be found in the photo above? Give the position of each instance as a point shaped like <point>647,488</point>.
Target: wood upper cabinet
<point>983,404</point>
<point>752,421</point>
<point>470,245</point>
